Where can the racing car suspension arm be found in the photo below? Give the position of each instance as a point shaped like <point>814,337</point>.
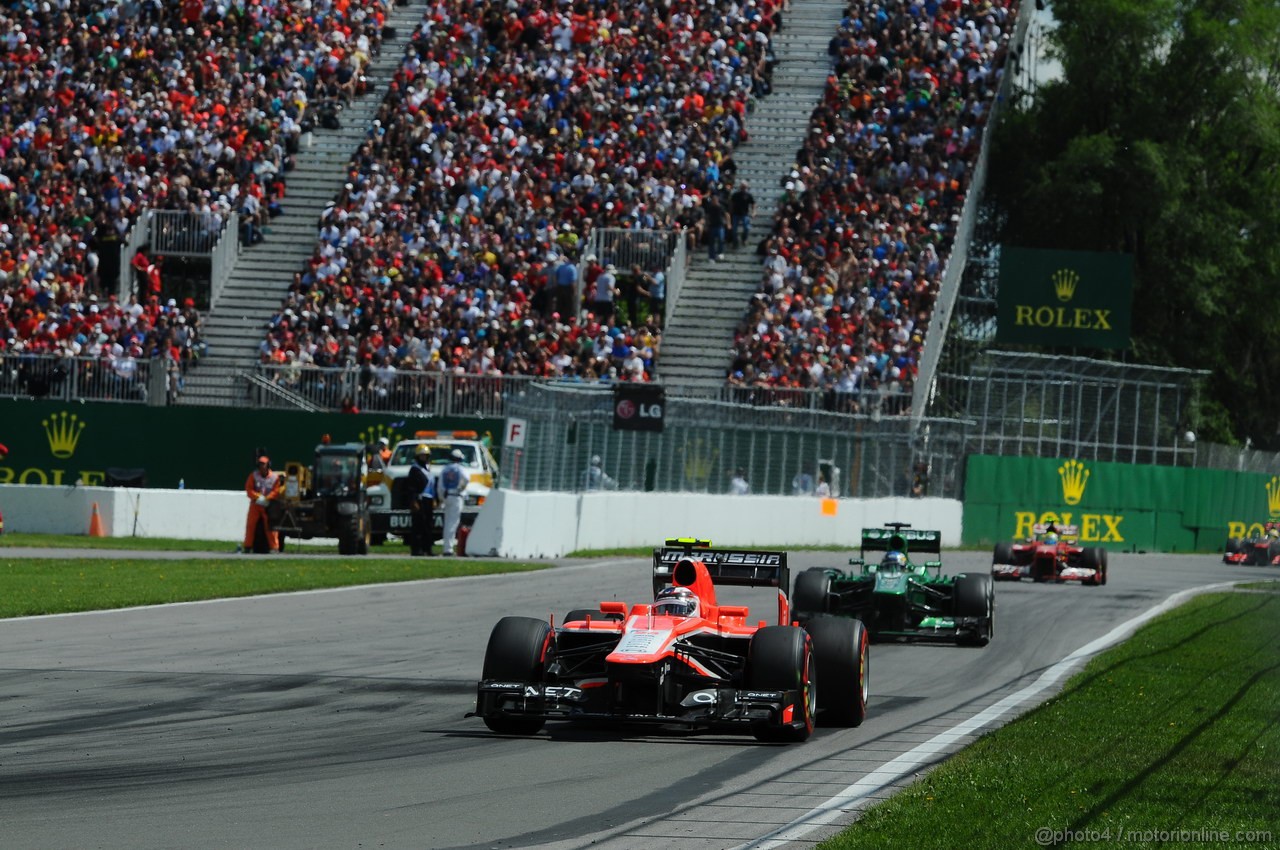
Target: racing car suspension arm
<point>727,665</point>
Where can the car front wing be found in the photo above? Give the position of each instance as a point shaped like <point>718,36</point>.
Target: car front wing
<point>703,708</point>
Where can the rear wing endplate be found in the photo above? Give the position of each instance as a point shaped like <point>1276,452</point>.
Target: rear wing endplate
<point>742,567</point>
<point>901,539</point>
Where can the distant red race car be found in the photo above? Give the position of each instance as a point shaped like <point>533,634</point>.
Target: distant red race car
<point>1259,550</point>
<point>1050,555</point>
<point>683,660</point>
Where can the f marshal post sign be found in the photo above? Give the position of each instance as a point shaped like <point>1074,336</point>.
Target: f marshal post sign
<point>1079,299</point>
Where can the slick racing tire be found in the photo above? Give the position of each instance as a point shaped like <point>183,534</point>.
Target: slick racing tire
<point>842,648</point>
<point>1003,554</point>
<point>813,586</point>
<point>516,652</point>
<point>1095,558</point>
<point>975,596</point>
<point>781,659</point>
<point>1234,545</point>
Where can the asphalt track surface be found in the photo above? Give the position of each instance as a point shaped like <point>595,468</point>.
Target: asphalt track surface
<point>334,719</point>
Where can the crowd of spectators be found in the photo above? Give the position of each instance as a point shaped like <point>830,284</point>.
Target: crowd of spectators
<point>511,129</point>
<point>109,108</point>
<point>869,210</point>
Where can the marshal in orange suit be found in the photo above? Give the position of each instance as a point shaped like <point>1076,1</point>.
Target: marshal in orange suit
<point>263,486</point>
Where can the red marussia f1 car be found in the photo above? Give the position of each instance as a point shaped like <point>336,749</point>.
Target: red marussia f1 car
<point>1050,555</point>
<point>683,660</point>
<point>1259,550</point>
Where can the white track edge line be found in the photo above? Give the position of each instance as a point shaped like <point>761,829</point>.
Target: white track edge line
<point>896,769</point>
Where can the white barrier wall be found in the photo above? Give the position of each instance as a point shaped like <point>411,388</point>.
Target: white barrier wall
<point>125,511</point>
<point>528,525</point>
<point>511,524</point>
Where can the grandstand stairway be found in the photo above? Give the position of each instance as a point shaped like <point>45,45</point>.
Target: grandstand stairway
<point>698,338</point>
<point>236,326</point>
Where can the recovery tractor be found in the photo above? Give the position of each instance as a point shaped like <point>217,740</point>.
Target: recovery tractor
<point>327,499</point>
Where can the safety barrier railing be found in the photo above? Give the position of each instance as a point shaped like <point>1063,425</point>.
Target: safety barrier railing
<point>57,378</point>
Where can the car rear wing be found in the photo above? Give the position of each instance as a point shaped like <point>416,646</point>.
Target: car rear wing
<point>1065,530</point>
<point>741,567</point>
<point>898,537</point>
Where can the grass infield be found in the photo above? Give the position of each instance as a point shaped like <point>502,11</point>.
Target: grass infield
<point>31,586</point>
<point>1169,739</point>
<point>23,539</point>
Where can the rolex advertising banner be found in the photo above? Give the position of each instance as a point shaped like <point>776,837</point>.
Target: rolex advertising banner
<point>1114,505</point>
<point>1079,299</point>
<point>203,448</point>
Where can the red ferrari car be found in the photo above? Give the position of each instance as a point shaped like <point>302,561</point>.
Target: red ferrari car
<point>683,660</point>
<point>1258,551</point>
<point>1050,555</point>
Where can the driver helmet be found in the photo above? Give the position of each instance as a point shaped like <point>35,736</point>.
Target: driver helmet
<point>1051,537</point>
<point>894,559</point>
<point>675,602</point>
<point>1274,532</point>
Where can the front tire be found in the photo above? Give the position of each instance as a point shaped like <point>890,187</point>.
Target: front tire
<point>974,596</point>
<point>842,648</point>
<point>516,652</point>
<point>781,659</point>
<point>1003,554</point>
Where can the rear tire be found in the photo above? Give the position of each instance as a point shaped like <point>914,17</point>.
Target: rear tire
<point>974,596</point>
<point>516,652</point>
<point>841,647</point>
<point>1095,559</point>
<point>813,588</point>
<point>781,659</point>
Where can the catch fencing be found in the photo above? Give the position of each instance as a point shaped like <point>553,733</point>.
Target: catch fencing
<point>778,451</point>
<point>1052,406</point>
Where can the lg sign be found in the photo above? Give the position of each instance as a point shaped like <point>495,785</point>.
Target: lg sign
<point>638,408</point>
<point>628,409</point>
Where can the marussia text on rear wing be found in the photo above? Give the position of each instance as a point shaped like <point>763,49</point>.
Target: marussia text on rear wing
<point>744,567</point>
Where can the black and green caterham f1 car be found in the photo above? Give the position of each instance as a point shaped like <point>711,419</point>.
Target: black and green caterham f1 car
<point>897,598</point>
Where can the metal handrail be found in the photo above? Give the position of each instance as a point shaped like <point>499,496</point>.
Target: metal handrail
<point>265,385</point>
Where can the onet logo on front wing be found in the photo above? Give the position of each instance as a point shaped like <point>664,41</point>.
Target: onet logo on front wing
<point>548,691</point>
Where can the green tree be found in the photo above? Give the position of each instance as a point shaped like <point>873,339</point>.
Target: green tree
<point>1162,139</point>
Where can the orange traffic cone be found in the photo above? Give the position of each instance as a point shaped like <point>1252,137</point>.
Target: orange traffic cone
<point>95,523</point>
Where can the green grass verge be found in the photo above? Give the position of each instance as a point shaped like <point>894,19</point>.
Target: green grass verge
<point>1175,729</point>
<point>24,540</point>
<point>61,585</point>
<point>1273,584</point>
